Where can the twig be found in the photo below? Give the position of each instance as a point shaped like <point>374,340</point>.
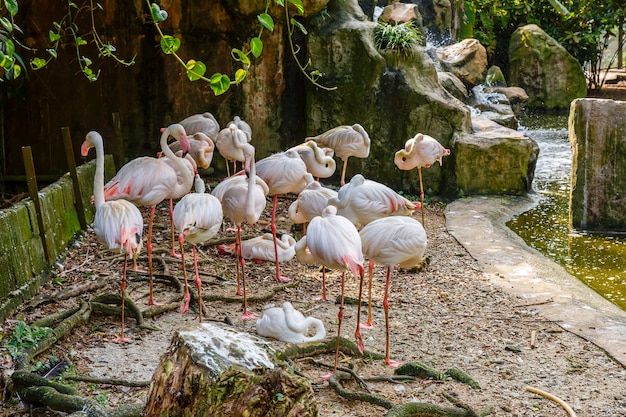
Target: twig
<point>107,381</point>
<point>551,397</point>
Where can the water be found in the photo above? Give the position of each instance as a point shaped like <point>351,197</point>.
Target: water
<point>597,260</point>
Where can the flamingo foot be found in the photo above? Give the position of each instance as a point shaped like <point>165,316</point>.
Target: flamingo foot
<point>391,363</point>
<point>238,292</point>
<point>248,316</point>
<point>359,341</point>
<point>367,325</point>
<point>280,278</point>
<point>322,298</point>
<point>154,303</point>
<point>221,249</point>
<point>184,306</point>
<point>176,255</point>
<point>327,376</point>
<point>121,340</point>
<point>258,261</point>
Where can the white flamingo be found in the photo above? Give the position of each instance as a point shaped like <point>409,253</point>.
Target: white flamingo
<point>201,122</point>
<point>261,248</point>
<point>319,161</point>
<point>230,143</point>
<point>289,325</point>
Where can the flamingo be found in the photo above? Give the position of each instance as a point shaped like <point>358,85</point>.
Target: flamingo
<point>311,201</point>
<point>396,240</point>
<point>201,122</point>
<point>117,224</point>
<point>230,143</point>
<point>147,181</point>
<point>198,217</point>
<point>319,161</point>
<point>201,149</point>
<point>420,151</point>
<point>283,172</point>
<point>363,200</point>
<point>261,248</point>
<point>334,242</point>
<point>346,141</point>
<point>289,325</point>
<point>244,201</point>
<point>242,125</point>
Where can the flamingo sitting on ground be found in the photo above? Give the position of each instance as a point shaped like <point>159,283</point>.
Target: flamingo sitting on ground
<point>261,248</point>
<point>198,217</point>
<point>346,141</point>
<point>201,122</point>
<point>334,242</point>
<point>283,172</point>
<point>147,181</point>
<point>319,161</point>
<point>230,143</point>
<point>289,325</point>
<point>244,201</point>
<point>420,151</point>
<point>117,224</point>
<point>395,240</point>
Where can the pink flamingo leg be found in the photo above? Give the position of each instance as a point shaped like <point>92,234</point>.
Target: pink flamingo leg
<point>279,277</point>
<point>388,361</point>
<point>174,254</point>
<point>340,318</point>
<point>323,297</point>
<point>198,283</point>
<point>149,247</point>
<point>357,333</point>
<point>343,173</point>
<point>246,315</point>
<point>419,172</point>
<point>123,339</point>
<point>184,305</point>
<point>369,324</point>
<point>237,261</point>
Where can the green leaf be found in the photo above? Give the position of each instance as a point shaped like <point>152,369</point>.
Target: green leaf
<point>52,52</point>
<point>280,2</point>
<point>6,23</point>
<point>170,44</point>
<point>158,15</point>
<point>86,60</point>
<point>11,6</point>
<point>299,26</point>
<point>299,5</point>
<point>54,36</point>
<point>9,47</point>
<point>256,46</point>
<point>266,21</point>
<point>80,41</point>
<point>220,83</point>
<point>240,74</point>
<point>238,55</point>
<point>195,70</point>
<point>17,70</point>
<point>37,63</point>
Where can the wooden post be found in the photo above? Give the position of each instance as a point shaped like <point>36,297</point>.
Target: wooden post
<point>29,166</point>
<point>71,165</point>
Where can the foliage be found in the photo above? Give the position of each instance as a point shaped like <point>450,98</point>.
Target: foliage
<point>399,38</point>
<point>24,337</point>
<point>10,62</point>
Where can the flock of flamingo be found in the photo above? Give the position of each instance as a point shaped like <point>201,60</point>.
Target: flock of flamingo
<point>364,219</point>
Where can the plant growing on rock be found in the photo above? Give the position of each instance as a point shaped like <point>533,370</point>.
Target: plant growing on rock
<point>399,38</point>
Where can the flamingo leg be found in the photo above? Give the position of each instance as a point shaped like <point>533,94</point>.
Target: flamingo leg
<point>419,172</point>
<point>339,319</point>
<point>198,283</point>
<point>174,254</point>
<point>388,361</point>
<point>123,339</point>
<point>343,172</point>
<point>357,333</point>
<point>369,323</point>
<point>227,168</point>
<point>323,297</point>
<point>279,278</point>
<point>246,315</point>
<point>184,305</point>
<point>149,248</point>
<point>238,260</point>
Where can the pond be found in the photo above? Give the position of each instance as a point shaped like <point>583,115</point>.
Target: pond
<point>597,260</point>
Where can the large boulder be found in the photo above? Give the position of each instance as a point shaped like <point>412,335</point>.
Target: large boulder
<point>551,77</point>
<point>398,13</point>
<point>466,59</point>
<point>598,141</point>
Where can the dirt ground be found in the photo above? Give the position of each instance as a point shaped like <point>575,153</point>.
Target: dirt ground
<point>446,315</point>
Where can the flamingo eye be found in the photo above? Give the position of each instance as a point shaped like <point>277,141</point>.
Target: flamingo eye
<point>404,159</point>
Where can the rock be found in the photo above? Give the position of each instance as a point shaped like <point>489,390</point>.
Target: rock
<point>211,370</point>
<point>495,77</point>
<point>466,59</point>
<point>494,106</point>
<point>398,13</point>
<point>551,77</point>
<point>597,137</point>
<point>494,160</point>
<point>437,19</point>
<point>453,85</point>
<point>516,96</point>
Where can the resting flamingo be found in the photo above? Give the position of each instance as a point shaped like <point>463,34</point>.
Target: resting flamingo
<point>201,122</point>
<point>283,172</point>
<point>198,217</point>
<point>230,143</point>
<point>396,240</point>
<point>363,201</point>
<point>261,248</point>
<point>346,141</point>
<point>420,151</point>
<point>319,161</point>
<point>289,325</point>
<point>147,181</point>
<point>201,149</point>
<point>334,242</point>
<point>244,201</point>
<point>311,201</point>
<point>117,224</point>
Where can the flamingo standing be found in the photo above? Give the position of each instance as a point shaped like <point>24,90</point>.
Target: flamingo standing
<point>201,122</point>
<point>363,201</point>
<point>396,240</point>
<point>334,242</point>
<point>319,161</point>
<point>283,172</point>
<point>118,224</point>
<point>198,217</point>
<point>420,151</point>
<point>147,181</point>
<point>346,141</point>
<point>261,248</point>
<point>289,325</point>
<point>244,201</point>
<point>230,143</point>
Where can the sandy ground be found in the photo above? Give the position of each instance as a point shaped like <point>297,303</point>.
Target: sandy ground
<point>449,314</point>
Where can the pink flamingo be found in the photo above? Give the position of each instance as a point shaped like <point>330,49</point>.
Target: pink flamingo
<point>230,143</point>
<point>201,149</point>
<point>283,172</point>
<point>261,248</point>
<point>334,242</point>
<point>201,122</point>
<point>319,161</point>
<point>420,151</point>
<point>198,217</point>
<point>117,224</point>
<point>362,201</point>
<point>346,141</point>
<point>244,201</point>
<point>395,240</point>
<point>147,181</point>
<point>311,201</point>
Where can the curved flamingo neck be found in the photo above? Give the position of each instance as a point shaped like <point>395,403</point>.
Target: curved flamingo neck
<point>187,177</point>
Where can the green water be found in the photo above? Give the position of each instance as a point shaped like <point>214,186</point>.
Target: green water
<point>597,260</point>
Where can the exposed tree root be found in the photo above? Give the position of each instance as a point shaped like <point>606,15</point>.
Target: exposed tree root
<point>49,320</point>
<point>73,291</point>
<point>423,370</point>
<point>100,304</point>
<point>335,384</point>
<point>107,381</point>
<point>316,348</point>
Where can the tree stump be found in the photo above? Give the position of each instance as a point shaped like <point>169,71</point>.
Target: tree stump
<point>211,370</point>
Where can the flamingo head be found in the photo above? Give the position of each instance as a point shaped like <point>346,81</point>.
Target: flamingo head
<point>90,142</point>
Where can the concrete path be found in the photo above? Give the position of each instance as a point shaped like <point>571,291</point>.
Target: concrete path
<point>479,224</point>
